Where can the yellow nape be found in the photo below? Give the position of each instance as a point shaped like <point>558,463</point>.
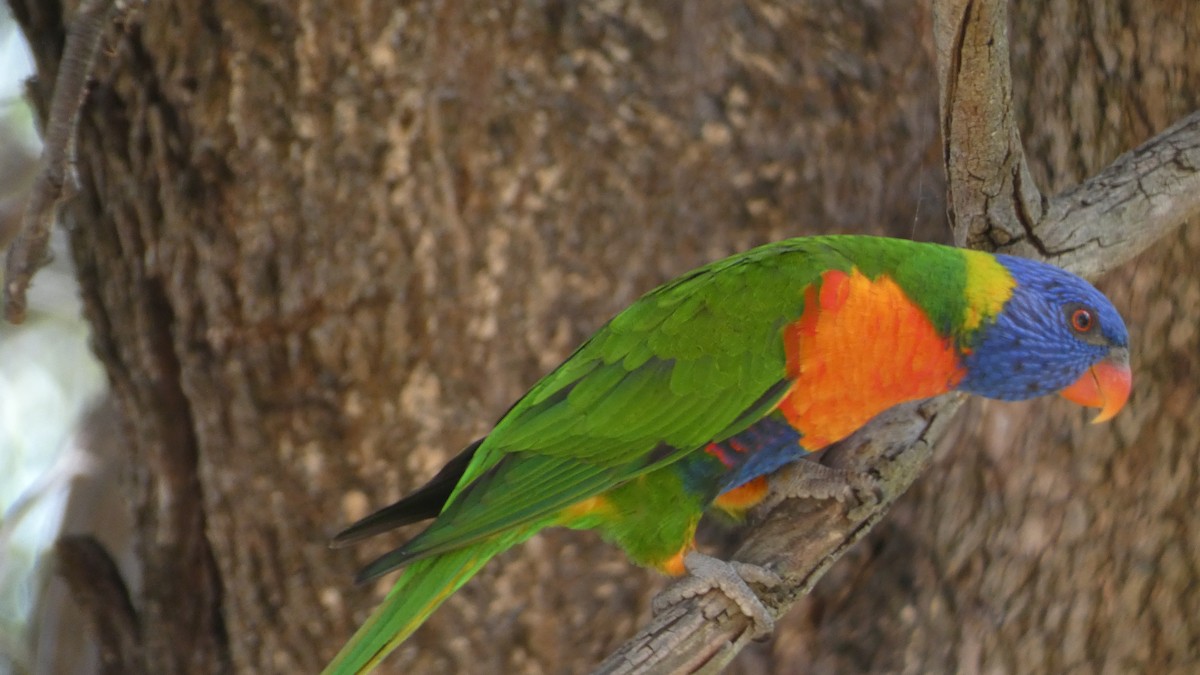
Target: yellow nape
<point>989,286</point>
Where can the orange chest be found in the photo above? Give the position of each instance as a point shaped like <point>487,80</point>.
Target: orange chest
<point>860,347</point>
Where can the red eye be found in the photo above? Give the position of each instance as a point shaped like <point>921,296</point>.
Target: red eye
<point>1082,321</point>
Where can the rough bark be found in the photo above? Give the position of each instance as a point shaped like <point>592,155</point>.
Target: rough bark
<point>324,245</point>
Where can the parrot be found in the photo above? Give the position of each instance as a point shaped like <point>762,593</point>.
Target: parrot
<point>689,399</point>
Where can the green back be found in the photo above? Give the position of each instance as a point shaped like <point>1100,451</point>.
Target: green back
<point>693,361</point>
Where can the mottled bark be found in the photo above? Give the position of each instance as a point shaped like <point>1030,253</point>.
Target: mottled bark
<point>324,245</point>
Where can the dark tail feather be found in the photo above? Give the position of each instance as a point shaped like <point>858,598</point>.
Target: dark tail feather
<point>392,560</point>
<point>425,503</point>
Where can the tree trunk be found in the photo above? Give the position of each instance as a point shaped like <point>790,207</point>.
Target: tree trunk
<point>325,245</point>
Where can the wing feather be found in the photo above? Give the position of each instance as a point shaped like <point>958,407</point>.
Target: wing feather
<point>690,362</point>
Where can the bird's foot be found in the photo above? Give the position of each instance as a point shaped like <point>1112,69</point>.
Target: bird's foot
<point>732,579</point>
<point>808,479</point>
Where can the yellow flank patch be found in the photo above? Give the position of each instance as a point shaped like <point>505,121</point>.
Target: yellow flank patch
<point>582,509</point>
<point>989,286</point>
<point>860,347</point>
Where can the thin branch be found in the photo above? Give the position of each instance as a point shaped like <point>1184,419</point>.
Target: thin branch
<point>993,198</point>
<point>1108,219</point>
<point>994,204</point>
<point>28,251</point>
<point>96,585</point>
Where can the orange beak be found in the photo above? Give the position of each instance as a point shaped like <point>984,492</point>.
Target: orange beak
<point>1105,385</point>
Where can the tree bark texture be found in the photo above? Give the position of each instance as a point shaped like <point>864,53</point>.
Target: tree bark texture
<point>324,245</point>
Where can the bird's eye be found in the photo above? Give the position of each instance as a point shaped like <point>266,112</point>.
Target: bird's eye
<point>1082,320</point>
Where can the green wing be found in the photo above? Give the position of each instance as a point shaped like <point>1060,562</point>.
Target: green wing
<point>694,361</point>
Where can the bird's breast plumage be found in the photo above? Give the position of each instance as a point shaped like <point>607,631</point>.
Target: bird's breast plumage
<point>861,346</point>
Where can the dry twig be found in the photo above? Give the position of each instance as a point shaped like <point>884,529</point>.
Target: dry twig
<point>28,251</point>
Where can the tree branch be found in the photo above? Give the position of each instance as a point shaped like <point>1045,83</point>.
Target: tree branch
<point>993,198</point>
<point>994,204</point>
<point>28,251</point>
<point>1111,217</point>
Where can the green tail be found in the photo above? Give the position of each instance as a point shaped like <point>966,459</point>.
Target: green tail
<point>424,585</point>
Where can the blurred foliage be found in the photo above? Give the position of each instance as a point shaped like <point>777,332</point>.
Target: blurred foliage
<point>47,377</point>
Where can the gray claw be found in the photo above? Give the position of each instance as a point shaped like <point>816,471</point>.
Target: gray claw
<point>732,579</point>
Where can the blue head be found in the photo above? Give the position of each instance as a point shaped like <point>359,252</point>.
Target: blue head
<point>1056,333</point>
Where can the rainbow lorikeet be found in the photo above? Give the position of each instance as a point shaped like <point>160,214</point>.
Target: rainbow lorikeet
<point>704,386</point>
